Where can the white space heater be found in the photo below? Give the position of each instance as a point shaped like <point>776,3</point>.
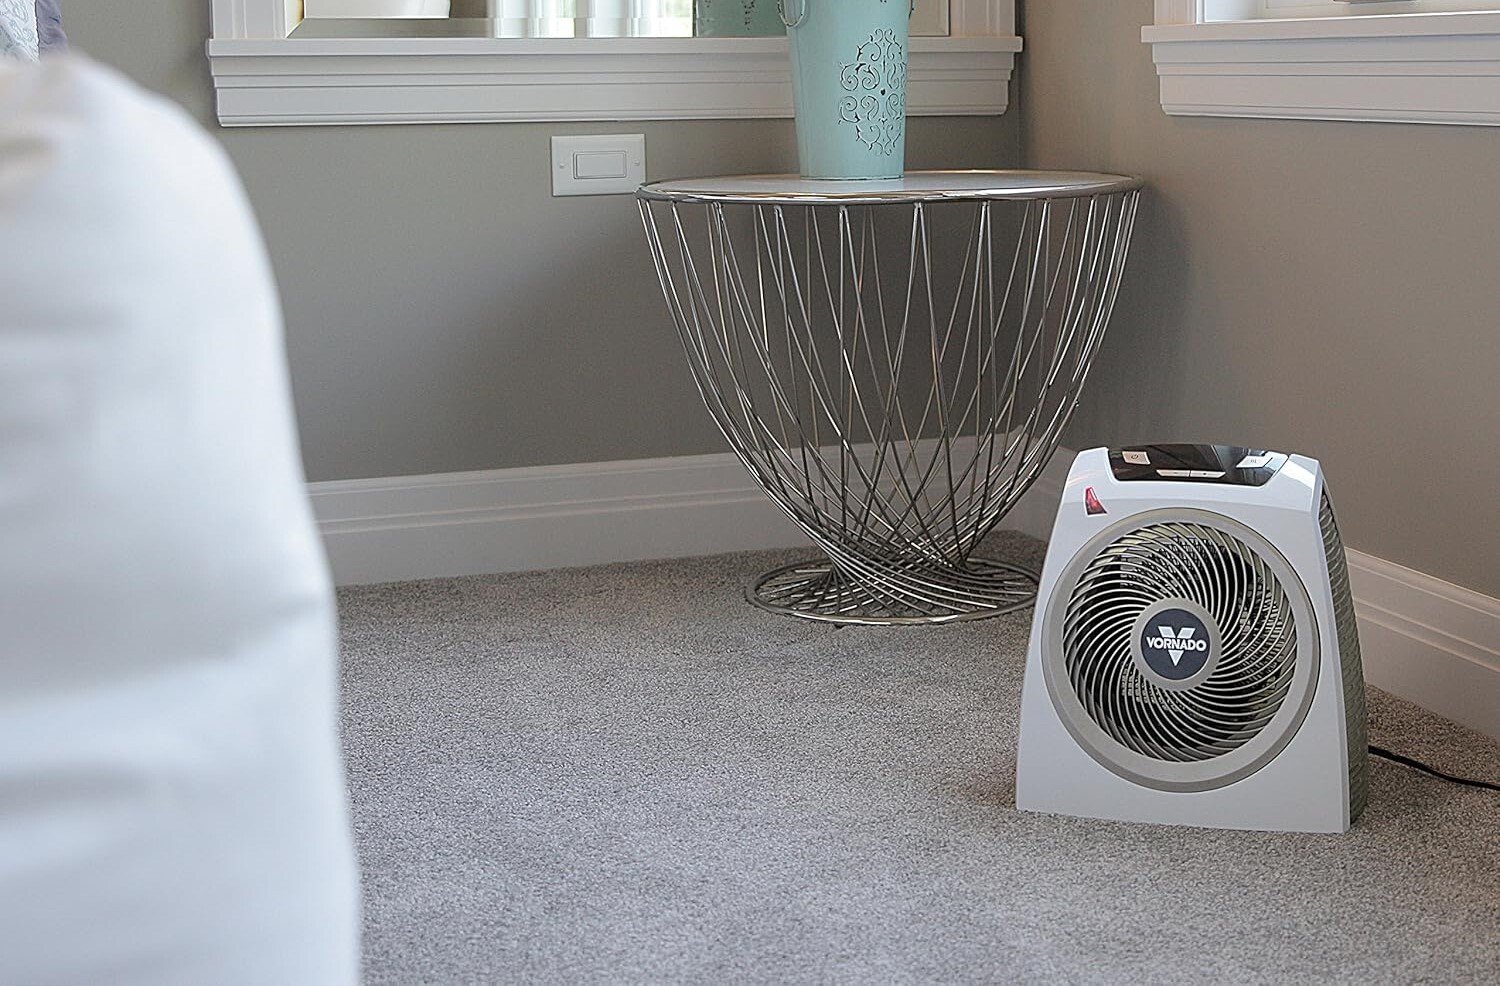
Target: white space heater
<point>1194,658</point>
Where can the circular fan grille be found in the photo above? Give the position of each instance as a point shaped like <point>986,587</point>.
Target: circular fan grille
<point>1212,571</point>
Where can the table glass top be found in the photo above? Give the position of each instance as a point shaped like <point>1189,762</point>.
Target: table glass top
<point>916,186</point>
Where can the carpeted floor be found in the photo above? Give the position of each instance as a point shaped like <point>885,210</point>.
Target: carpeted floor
<point>628,774</point>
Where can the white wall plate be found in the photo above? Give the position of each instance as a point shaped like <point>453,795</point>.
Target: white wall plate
<point>598,164</point>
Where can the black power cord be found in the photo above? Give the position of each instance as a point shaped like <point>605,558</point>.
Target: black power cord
<point>1418,765</point>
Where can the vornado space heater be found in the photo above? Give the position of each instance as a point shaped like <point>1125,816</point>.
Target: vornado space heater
<point>1194,658</point>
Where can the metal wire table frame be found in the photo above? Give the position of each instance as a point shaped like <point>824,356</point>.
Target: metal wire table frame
<point>893,361</point>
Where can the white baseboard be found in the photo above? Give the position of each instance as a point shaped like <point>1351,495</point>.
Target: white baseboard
<point>1426,640</point>
<point>514,520</point>
<point>1429,641</point>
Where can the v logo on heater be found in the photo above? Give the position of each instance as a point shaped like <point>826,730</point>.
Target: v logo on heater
<point>1179,635</point>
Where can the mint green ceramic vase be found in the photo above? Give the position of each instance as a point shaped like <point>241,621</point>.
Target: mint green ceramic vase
<point>849,85</point>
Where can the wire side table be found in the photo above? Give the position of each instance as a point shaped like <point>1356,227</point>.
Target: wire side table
<point>893,361</point>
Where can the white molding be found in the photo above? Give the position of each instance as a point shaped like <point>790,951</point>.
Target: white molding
<point>262,77</point>
<point>438,80</point>
<point>1177,11</point>
<point>982,18</point>
<point>254,18</point>
<point>509,520</point>
<point>291,16</point>
<point>1411,68</point>
<point>1429,641</point>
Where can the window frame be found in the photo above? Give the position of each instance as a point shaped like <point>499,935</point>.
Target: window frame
<point>1421,67</point>
<point>1235,10</point>
<point>262,77</point>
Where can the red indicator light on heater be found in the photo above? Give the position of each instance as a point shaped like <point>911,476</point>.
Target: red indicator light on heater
<point>1091,502</point>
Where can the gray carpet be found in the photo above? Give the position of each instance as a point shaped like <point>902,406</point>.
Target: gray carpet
<point>628,774</point>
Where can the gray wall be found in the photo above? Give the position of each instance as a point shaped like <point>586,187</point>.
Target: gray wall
<point>1330,288</point>
<point>443,311</point>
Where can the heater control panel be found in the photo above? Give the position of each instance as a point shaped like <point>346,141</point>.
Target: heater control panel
<point>1233,465</point>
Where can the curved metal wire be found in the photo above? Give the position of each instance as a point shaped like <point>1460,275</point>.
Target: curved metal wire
<point>894,376</point>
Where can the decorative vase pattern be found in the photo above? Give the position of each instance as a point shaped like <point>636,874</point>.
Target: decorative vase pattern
<point>737,18</point>
<point>876,82</point>
<point>849,61</point>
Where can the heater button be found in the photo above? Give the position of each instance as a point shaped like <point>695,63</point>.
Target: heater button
<point>1236,465</point>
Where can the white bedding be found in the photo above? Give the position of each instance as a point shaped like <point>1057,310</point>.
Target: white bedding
<point>172,804</point>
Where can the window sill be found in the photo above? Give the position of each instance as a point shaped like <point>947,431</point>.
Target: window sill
<point>1406,68</point>
<point>290,82</point>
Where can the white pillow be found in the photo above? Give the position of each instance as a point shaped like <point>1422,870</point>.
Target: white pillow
<point>172,804</point>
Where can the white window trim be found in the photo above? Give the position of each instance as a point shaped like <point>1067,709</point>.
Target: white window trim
<point>1410,68</point>
<point>262,77</point>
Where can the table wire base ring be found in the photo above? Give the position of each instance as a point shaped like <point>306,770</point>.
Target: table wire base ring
<point>813,589</point>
